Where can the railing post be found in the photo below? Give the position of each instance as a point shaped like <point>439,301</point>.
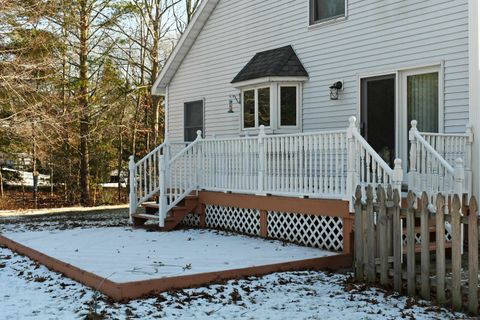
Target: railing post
<point>468,161</point>
<point>199,156</point>
<point>459,177</point>
<point>261,161</point>
<point>397,176</point>
<point>132,182</point>
<point>162,200</point>
<point>412,168</point>
<point>351,183</point>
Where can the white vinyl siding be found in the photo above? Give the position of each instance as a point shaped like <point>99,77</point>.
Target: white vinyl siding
<point>377,37</point>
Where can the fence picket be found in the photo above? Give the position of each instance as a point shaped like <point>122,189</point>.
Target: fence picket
<point>456,254</point>
<point>473,257</point>
<point>397,243</point>
<point>370,236</point>
<point>425,249</point>
<point>382,232</point>
<point>411,277</point>
<point>359,243</point>
<point>440,250</point>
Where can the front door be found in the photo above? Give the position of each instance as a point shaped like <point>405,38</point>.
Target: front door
<point>193,119</point>
<point>378,115</point>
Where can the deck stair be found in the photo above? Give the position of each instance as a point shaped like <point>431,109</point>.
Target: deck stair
<point>174,216</point>
<point>432,230</point>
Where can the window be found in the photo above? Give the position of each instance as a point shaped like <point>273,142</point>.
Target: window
<point>249,109</point>
<point>264,107</point>
<point>193,119</point>
<point>275,105</point>
<point>323,10</point>
<point>256,107</point>
<point>422,101</point>
<point>288,106</point>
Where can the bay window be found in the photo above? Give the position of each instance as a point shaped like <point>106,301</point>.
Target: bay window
<point>275,105</point>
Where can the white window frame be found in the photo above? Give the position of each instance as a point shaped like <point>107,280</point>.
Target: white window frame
<point>275,113</point>
<point>314,23</point>
<point>403,126</point>
<point>255,89</point>
<point>298,87</point>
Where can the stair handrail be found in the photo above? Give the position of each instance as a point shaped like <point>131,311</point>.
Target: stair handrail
<point>151,153</point>
<point>460,145</point>
<point>144,185</point>
<point>356,172</point>
<point>421,167</point>
<point>169,194</point>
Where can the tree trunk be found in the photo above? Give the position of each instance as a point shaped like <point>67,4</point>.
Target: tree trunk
<point>1,182</point>
<point>84,105</point>
<point>155,100</point>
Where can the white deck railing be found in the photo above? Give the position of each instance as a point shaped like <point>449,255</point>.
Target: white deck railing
<point>309,164</point>
<point>144,178</point>
<point>429,170</point>
<point>452,147</point>
<point>179,176</point>
<point>230,164</point>
<point>326,164</point>
<point>367,167</point>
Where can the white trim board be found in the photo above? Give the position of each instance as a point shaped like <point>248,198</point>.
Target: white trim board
<point>474,87</point>
<point>183,46</point>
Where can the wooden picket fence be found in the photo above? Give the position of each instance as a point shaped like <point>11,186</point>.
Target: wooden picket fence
<point>419,248</point>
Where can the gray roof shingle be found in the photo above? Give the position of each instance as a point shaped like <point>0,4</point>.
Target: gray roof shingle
<point>280,62</point>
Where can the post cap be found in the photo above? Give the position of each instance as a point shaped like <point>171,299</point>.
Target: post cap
<point>353,121</point>
<point>398,162</point>
<point>199,134</point>
<point>414,124</point>
<point>459,162</point>
<point>262,130</point>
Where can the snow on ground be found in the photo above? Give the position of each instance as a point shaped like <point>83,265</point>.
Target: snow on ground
<point>26,178</point>
<point>66,220</point>
<point>31,291</point>
<point>48,211</point>
<point>125,255</point>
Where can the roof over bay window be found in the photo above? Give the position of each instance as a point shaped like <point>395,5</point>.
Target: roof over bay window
<point>281,64</point>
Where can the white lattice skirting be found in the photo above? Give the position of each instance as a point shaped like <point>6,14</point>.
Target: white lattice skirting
<point>313,231</point>
<point>236,219</point>
<point>191,220</point>
<point>309,230</point>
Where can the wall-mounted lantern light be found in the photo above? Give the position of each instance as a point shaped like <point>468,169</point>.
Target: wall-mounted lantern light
<point>233,99</point>
<point>334,88</point>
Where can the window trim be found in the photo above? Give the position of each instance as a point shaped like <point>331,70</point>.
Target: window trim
<point>256,88</point>
<point>275,112</point>
<point>185,116</point>
<point>298,102</point>
<point>314,23</point>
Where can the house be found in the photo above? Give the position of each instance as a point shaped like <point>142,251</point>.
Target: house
<point>300,101</point>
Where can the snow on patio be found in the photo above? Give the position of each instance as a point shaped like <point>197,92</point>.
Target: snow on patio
<point>125,255</point>
<point>31,291</point>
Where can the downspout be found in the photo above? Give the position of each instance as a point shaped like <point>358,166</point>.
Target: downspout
<point>474,89</point>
